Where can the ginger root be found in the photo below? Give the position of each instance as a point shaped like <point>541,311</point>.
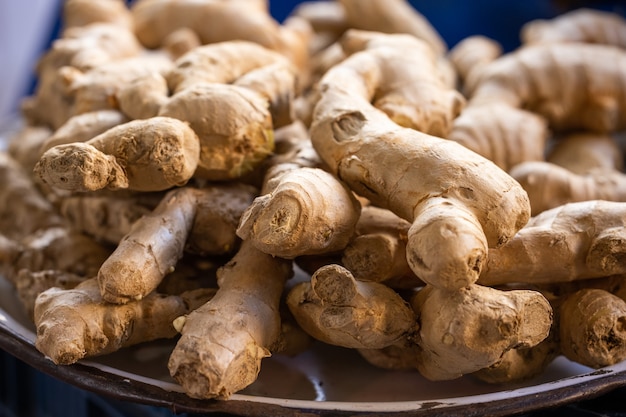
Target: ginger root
<point>582,97</point>
<point>223,342</point>
<point>196,220</point>
<point>592,327</point>
<point>469,329</point>
<point>503,134</point>
<point>76,323</point>
<point>459,203</point>
<point>579,25</point>
<point>582,240</point>
<point>29,210</point>
<point>306,212</point>
<point>550,186</point>
<point>392,16</point>
<point>143,155</point>
<point>337,309</point>
<point>378,250</point>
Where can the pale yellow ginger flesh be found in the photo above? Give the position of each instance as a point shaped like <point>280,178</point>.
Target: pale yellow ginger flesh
<point>469,329</point>
<point>76,323</point>
<point>582,240</point>
<point>337,309</point>
<point>224,341</point>
<point>143,155</point>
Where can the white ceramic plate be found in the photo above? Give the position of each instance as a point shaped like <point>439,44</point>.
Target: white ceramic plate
<point>323,381</point>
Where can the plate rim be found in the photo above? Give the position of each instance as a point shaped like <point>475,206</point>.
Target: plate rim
<point>97,379</point>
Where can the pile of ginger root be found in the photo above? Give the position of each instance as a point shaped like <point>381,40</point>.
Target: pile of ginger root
<point>249,188</point>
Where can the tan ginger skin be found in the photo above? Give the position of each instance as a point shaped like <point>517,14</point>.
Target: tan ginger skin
<point>83,127</point>
<point>469,329</point>
<point>241,63</point>
<point>592,328</point>
<point>24,145</point>
<point>337,309</point>
<point>524,78</point>
<point>52,249</point>
<point>77,13</point>
<point>503,134</point>
<point>107,218</point>
<point>584,152</point>
<point>579,25</point>
<point>302,209</point>
<point>551,186</point>
<point>76,323</point>
<point>223,342</point>
<point>472,53</point>
<point>400,75</point>
<point>306,212</point>
<point>212,21</point>
<point>581,166</point>
<point>392,16</point>
<point>462,203</point>
<point>583,240</point>
<point>29,210</point>
<point>198,219</point>
<point>235,139</point>
<point>247,89</point>
<point>522,363</point>
<point>143,155</point>
<point>96,88</point>
<point>81,48</point>
<point>378,250</point>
